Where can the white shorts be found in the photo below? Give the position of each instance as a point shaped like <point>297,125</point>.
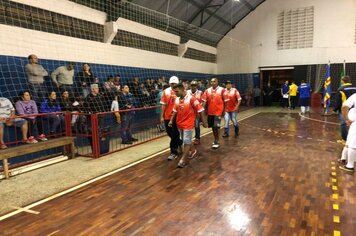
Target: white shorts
<point>351,136</point>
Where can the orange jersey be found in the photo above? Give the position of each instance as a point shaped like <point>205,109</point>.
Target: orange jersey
<point>198,94</point>
<point>168,98</point>
<point>187,109</point>
<point>234,97</point>
<point>215,99</point>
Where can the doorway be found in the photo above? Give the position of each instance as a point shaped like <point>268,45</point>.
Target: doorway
<point>275,77</point>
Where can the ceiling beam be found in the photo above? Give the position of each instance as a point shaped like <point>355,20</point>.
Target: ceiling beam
<point>204,8</point>
<point>248,5</point>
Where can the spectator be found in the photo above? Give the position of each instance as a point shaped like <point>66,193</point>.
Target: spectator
<point>256,96</point>
<point>127,103</point>
<point>109,86</point>
<point>248,96</point>
<point>94,102</point>
<point>8,118</point>
<point>27,107</point>
<point>285,95</point>
<point>85,78</point>
<point>117,83</point>
<point>66,103</point>
<point>146,96</point>
<point>35,75</point>
<point>63,78</point>
<point>50,105</point>
<point>267,95</point>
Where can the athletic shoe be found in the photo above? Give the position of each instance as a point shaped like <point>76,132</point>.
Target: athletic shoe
<point>42,137</point>
<point>225,135</point>
<point>347,169</point>
<point>3,146</point>
<point>31,140</point>
<point>181,164</point>
<point>172,156</point>
<point>192,154</point>
<point>196,141</point>
<point>215,145</point>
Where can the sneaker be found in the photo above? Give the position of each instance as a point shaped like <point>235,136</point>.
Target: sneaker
<point>172,156</point>
<point>42,137</point>
<point>181,164</point>
<point>31,140</point>
<point>215,145</point>
<point>192,154</point>
<point>196,141</point>
<point>225,135</point>
<point>3,146</point>
<point>347,169</point>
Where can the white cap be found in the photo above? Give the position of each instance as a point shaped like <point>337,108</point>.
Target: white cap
<point>174,80</point>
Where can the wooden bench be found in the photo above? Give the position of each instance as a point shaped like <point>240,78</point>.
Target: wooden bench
<point>31,148</point>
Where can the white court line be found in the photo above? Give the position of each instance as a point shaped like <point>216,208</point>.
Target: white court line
<point>26,208</point>
<point>321,121</point>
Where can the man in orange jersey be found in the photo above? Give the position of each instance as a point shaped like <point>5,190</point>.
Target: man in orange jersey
<point>167,101</point>
<point>231,109</point>
<point>185,110</point>
<point>215,99</point>
<point>195,92</point>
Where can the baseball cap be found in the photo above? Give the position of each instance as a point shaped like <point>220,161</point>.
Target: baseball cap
<point>174,80</point>
<point>228,82</point>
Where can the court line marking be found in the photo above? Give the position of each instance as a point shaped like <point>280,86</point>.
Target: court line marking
<point>24,209</point>
<point>321,121</point>
<point>56,195</point>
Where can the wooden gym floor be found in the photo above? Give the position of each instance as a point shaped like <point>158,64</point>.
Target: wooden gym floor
<point>279,177</point>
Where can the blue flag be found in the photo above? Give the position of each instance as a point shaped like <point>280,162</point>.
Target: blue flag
<point>327,88</point>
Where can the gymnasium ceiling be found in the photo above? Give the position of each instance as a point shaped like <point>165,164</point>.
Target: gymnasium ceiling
<point>218,16</point>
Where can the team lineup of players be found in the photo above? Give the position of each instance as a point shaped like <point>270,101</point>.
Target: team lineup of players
<point>183,110</point>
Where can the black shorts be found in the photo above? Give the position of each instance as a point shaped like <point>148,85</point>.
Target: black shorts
<point>214,121</point>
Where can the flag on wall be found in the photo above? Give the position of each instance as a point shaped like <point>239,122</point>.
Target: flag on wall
<point>327,89</point>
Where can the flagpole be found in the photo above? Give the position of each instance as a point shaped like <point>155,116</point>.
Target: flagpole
<point>327,88</point>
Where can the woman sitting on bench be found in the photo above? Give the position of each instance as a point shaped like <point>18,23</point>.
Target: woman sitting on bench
<point>50,105</point>
<point>25,107</point>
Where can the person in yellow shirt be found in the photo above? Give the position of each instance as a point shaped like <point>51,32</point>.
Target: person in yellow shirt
<point>293,88</point>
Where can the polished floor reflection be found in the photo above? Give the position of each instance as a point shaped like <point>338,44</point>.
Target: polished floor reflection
<point>279,177</point>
